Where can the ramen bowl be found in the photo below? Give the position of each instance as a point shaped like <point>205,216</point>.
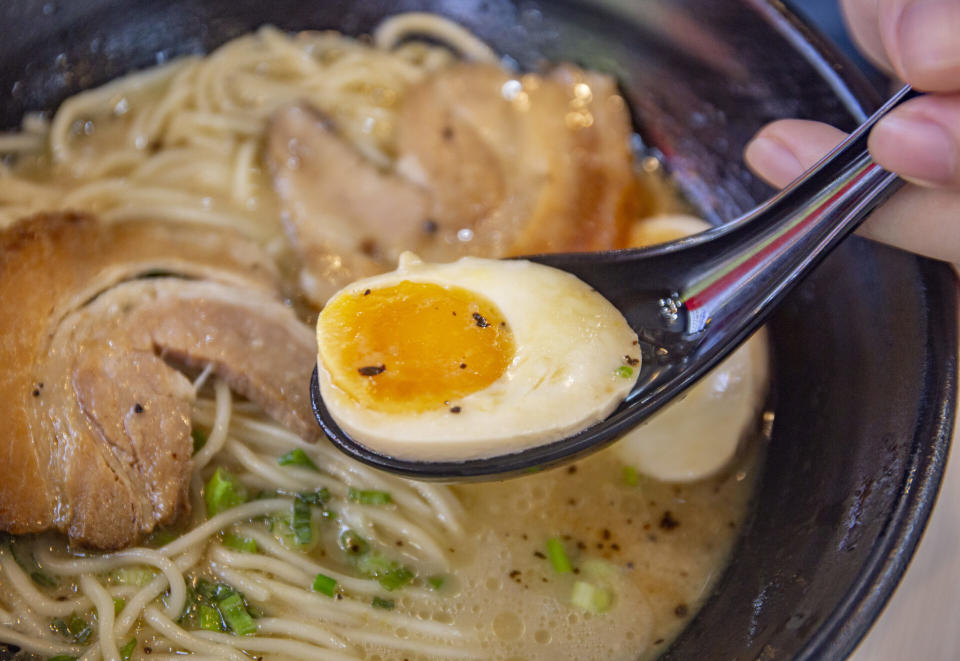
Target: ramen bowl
<point>863,352</point>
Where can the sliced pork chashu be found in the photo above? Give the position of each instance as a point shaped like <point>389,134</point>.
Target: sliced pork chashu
<point>489,163</point>
<point>96,435</point>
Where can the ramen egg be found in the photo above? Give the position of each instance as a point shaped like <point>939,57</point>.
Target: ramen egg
<point>479,357</point>
<point>698,434</point>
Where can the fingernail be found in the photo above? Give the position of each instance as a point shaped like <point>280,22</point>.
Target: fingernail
<point>915,148</point>
<point>772,160</point>
<point>927,40</point>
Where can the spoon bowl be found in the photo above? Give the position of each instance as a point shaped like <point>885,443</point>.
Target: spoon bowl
<point>692,302</point>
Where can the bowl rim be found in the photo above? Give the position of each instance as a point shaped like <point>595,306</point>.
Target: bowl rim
<point>850,621</point>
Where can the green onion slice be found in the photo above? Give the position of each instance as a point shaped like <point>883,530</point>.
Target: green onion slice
<point>297,457</point>
<point>325,585</point>
<point>127,650</point>
<point>246,544</point>
<point>301,523</point>
<point>385,604</point>
<point>369,496</point>
<point>210,619</point>
<point>590,598</point>
<point>558,556</point>
<point>236,616</point>
<point>222,492</point>
<point>630,476</point>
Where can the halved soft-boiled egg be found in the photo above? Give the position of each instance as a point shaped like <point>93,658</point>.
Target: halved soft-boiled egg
<point>699,433</point>
<point>479,357</point>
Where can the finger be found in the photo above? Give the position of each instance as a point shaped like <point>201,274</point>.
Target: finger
<point>922,220</point>
<point>863,22</point>
<point>784,150</point>
<point>920,140</point>
<point>920,37</point>
<point>925,221</point>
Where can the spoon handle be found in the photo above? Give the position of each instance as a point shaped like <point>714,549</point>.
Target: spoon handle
<point>756,259</point>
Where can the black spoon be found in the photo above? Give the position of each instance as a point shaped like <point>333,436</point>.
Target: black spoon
<point>692,302</point>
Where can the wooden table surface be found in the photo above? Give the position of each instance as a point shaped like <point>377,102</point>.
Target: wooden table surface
<point>922,620</point>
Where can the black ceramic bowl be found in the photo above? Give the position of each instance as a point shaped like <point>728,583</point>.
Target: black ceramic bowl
<point>864,351</point>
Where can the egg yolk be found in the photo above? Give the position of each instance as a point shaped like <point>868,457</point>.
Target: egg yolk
<point>413,346</point>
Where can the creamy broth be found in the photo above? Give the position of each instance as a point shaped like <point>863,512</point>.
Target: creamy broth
<point>463,570</point>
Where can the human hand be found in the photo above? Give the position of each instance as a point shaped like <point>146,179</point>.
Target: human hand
<point>917,41</point>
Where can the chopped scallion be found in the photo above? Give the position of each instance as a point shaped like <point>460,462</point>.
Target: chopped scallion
<point>75,628</point>
<point>127,650</point>
<point>214,591</point>
<point>161,537</point>
<point>325,585</point>
<point>391,575</point>
<point>630,476</point>
<point>301,523</point>
<point>385,604</point>
<point>236,616</point>
<point>62,657</point>
<point>118,605</point>
<point>590,598</point>
<point>352,543</point>
<point>246,544</point>
<point>296,457</point>
<point>624,371</point>
<point>222,492</point>
<point>46,580</point>
<point>210,619</point>
<point>436,582</point>
<point>369,496</point>
<point>395,578</point>
<point>24,558</point>
<point>558,556</point>
<point>136,576</point>
<point>199,439</point>
<point>318,497</point>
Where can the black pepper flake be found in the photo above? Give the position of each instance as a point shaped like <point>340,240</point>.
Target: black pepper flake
<point>463,366</point>
<point>138,408</point>
<point>481,322</point>
<point>615,546</point>
<point>572,469</point>
<point>366,292</point>
<point>430,226</point>
<point>630,565</point>
<point>455,409</point>
<point>540,555</point>
<point>667,522</point>
<point>658,641</point>
<point>606,533</point>
<point>36,392</point>
<point>631,361</point>
<point>681,610</point>
<point>448,133</point>
<point>372,370</point>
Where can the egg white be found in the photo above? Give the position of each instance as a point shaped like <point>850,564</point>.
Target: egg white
<point>570,342</point>
<point>697,435</point>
